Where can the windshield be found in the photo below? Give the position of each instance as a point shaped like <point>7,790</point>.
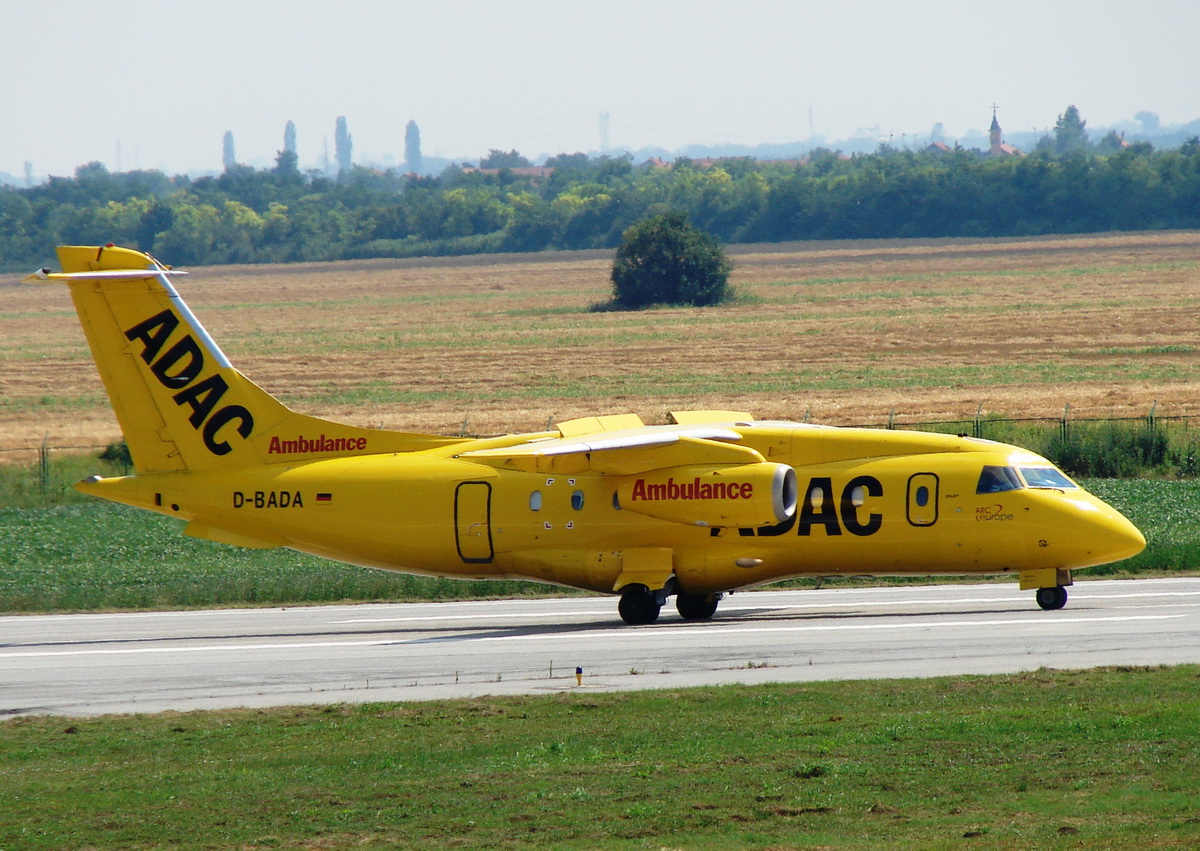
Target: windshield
<point>997,479</point>
<point>1047,477</point>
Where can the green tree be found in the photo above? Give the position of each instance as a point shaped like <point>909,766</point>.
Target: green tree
<point>1112,143</point>
<point>504,159</point>
<point>1070,132</point>
<point>664,259</point>
<point>569,161</point>
<point>1149,120</point>
<point>285,169</point>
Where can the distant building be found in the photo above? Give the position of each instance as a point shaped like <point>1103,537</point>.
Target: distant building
<point>998,147</point>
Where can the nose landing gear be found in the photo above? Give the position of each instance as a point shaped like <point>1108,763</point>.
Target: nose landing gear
<point>1051,586</point>
<point>1053,598</point>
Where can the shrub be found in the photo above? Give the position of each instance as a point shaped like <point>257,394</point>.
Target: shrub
<point>665,260</point>
<point>1111,450</point>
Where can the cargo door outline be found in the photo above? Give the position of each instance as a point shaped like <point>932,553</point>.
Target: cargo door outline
<point>473,522</point>
<point>923,499</point>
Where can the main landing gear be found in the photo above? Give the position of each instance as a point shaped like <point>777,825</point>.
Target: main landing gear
<point>639,605</point>
<point>696,607</point>
<point>1051,599</point>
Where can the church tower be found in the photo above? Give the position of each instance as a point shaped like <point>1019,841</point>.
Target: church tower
<point>996,147</point>
<point>995,136</point>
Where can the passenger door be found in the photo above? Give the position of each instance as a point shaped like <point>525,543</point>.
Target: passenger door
<point>473,522</point>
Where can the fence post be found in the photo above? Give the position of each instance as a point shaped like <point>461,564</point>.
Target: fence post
<point>1153,411</point>
<point>979,421</point>
<point>1064,428</point>
<point>44,465</point>
<point>892,419</point>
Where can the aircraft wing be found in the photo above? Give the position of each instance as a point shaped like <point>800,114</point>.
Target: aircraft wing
<point>620,453</point>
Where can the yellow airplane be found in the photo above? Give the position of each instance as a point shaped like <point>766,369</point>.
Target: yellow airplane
<point>710,503</point>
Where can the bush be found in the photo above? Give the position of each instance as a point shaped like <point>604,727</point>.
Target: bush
<point>665,260</point>
<point>1111,450</point>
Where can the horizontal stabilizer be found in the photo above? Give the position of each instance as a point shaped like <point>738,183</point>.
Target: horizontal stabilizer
<point>102,275</point>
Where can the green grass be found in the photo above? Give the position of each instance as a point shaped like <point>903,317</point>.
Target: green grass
<point>93,555</point>
<point>85,402</point>
<point>1167,513</point>
<point>1091,759</point>
<point>1149,350</point>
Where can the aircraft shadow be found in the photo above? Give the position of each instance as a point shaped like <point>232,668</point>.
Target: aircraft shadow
<point>451,633</point>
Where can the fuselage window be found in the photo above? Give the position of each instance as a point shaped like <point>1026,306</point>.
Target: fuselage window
<point>577,500</point>
<point>535,501</point>
<point>1047,477</point>
<point>998,479</point>
<point>922,496</point>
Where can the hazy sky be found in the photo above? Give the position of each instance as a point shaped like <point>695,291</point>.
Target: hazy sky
<point>164,79</point>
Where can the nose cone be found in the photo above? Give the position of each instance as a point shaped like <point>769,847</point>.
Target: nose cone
<point>1095,533</point>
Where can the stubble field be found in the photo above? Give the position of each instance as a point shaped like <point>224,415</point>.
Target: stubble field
<point>841,333</point>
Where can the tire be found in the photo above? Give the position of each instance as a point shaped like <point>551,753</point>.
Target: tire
<point>638,606</point>
<point>696,607</point>
<point>1052,599</point>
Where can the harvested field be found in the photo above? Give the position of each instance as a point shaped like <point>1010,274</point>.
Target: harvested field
<point>843,333</point>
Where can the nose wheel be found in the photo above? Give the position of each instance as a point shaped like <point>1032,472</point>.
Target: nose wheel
<point>1052,599</point>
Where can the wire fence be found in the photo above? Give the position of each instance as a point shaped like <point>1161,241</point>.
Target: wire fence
<point>1086,446</point>
<point>984,426</point>
<point>36,453</point>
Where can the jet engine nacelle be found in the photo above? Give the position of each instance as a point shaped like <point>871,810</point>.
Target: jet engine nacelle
<point>742,496</point>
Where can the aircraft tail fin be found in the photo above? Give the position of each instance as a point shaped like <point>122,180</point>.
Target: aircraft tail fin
<point>180,403</point>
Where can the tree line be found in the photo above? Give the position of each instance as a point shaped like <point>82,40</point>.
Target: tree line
<point>281,214</point>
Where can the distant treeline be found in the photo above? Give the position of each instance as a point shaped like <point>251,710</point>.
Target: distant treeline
<point>281,214</point>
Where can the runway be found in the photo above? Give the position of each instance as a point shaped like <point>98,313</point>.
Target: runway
<point>82,665</point>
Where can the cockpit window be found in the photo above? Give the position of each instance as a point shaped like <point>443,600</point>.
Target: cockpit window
<point>997,479</point>
<point>1047,477</point>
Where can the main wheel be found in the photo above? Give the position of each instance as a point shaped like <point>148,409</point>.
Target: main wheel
<point>1052,598</point>
<point>696,607</point>
<point>638,606</point>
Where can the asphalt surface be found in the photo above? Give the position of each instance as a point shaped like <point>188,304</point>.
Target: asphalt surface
<point>81,665</point>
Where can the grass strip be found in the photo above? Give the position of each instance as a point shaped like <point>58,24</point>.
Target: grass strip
<point>96,556</point>
<point>1083,759</point>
